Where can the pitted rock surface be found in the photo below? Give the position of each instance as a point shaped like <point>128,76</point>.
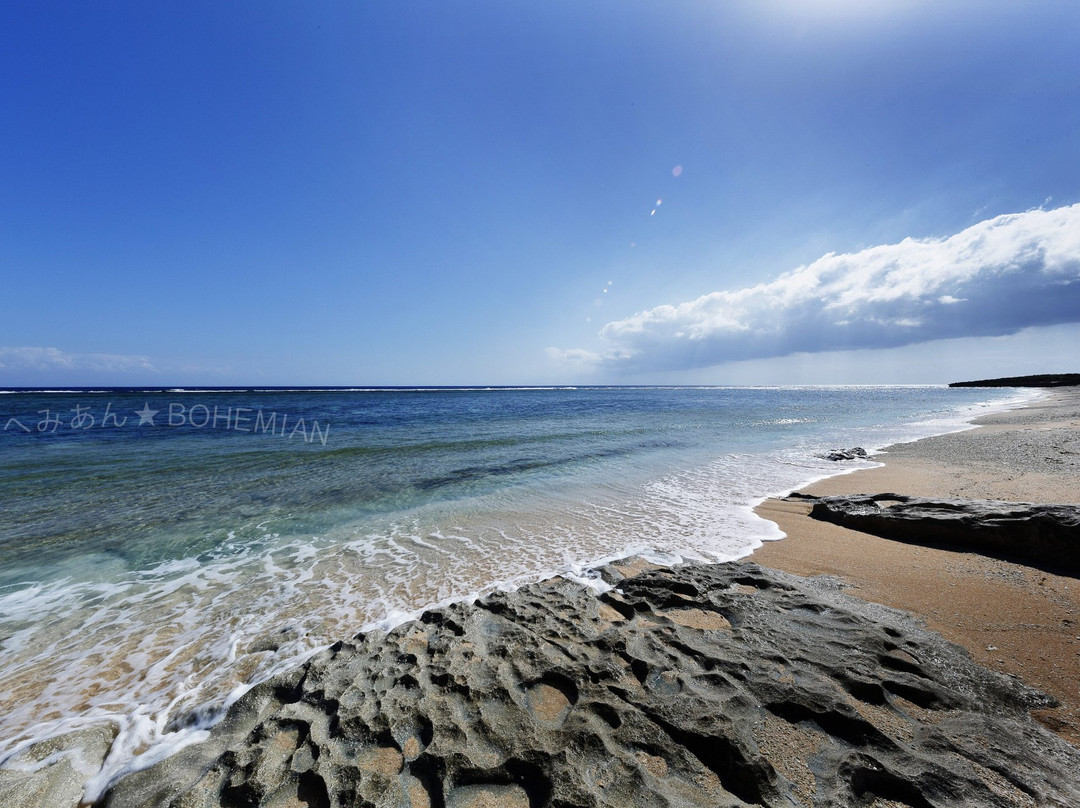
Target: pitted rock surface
<point>717,685</point>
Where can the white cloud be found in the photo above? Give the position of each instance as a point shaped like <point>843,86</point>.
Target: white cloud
<point>994,278</point>
<point>35,358</point>
<point>573,355</point>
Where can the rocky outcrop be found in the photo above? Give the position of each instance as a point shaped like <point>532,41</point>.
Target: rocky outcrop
<point>1048,535</point>
<point>718,685</point>
<point>856,453</point>
<point>53,772</point>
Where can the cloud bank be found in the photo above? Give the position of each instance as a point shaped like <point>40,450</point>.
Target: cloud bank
<point>992,279</point>
<point>39,358</point>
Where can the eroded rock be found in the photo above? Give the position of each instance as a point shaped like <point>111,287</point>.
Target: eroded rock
<point>856,453</point>
<point>1045,534</point>
<point>719,685</point>
<point>52,773</point>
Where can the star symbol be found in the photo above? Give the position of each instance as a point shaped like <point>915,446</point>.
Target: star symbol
<point>146,415</point>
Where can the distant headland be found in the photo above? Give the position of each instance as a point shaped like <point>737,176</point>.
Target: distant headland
<point>1043,380</point>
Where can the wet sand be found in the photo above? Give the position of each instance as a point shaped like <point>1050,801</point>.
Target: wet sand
<point>1010,616</point>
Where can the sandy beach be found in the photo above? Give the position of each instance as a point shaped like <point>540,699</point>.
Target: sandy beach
<point>707,684</point>
<point>1011,617</point>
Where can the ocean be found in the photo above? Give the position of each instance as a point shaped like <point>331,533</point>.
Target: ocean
<point>163,550</point>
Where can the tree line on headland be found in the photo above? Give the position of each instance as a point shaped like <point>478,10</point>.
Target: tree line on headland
<point>1041,380</point>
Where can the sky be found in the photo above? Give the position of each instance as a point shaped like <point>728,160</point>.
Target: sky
<point>676,192</point>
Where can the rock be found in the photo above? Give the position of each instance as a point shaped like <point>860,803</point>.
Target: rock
<point>52,773</point>
<point>857,453</point>
<point>720,685</point>
<point>272,640</point>
<point>1048,535</point>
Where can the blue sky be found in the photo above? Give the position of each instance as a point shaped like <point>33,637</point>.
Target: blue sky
<point>511,193</point>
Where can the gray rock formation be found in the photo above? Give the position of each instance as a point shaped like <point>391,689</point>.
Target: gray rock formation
<point>52,773</point>
<point>1048,535</point>
<point>718,685</point>
<point>856,453</point>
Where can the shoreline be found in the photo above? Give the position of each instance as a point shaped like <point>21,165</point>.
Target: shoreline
<point>585,575</point>
<point>1011,617</point>
<point>695,685</point>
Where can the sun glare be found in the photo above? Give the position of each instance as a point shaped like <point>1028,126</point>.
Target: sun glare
<point>842,12</point>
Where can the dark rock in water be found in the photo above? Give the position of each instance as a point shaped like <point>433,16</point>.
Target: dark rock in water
<point>857,453</point>
<point>711,685</point>
<point>1048,535</point>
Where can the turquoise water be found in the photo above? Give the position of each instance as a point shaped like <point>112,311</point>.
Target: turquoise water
<point>149,573</point>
